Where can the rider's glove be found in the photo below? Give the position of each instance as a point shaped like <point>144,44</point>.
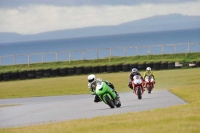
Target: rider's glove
<point>92,92</point>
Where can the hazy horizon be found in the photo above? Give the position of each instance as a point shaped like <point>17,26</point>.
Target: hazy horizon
<point>37,16</point>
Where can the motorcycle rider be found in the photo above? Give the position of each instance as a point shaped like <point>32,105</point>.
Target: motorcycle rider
<point>149,72</point>
<point>134,72</point>
<point>92,81</point>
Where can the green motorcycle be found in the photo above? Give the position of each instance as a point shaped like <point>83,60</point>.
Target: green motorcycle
<point>107,95</point>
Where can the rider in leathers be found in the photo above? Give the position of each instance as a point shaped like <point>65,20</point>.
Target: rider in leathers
<point>149,72</point>
<point>134,72</point>
<point>92,80</point>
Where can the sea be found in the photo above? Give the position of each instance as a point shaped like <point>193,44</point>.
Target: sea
<point>100,47</point>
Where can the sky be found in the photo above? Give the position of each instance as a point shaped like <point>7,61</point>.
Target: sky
<point>36,16</point>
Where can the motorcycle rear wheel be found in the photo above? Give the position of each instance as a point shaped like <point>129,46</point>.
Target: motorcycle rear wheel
<point>118,104</point>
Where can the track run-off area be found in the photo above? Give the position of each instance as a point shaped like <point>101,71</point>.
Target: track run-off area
<point>39,110</point>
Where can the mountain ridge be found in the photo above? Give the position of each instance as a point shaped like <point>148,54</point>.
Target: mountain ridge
<point>150,24</point>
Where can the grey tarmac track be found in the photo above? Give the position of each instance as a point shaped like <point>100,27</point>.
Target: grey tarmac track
<point>39,110</point>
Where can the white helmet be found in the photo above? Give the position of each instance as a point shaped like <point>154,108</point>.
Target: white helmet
<point>134,70</point>
<point>148,68</point>
<point>91,78</point>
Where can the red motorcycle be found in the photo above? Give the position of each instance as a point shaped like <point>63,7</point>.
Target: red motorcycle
<point>138,86</point>
<point>149,83</point>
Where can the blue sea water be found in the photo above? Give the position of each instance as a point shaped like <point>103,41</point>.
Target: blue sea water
<point>111,41</point>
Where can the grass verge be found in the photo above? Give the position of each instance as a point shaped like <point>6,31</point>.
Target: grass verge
<point>182,118</point>
<point>8,105</point>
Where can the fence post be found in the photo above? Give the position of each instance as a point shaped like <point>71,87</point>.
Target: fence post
<point>56,56</point>
<point>0,61</point>
<point>149,50</point>
<point>28,60</point>
<point>69,56</point>
<point>14,56</point>
<point>162,49</point>
<point>175,51</point>
<point>42,57</point>
<point>124,51</point>
<point>97,53</point>
<point>136,47</point>
<point>83,54</point>
<point>188,47</point>
<point>110,54</point>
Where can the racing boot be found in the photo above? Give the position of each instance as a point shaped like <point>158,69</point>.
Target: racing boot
<point>97,99</point>
<point>117,102</point>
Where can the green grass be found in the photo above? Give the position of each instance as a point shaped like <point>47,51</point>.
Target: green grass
<point>176,119</point>
<point>115,60</point>
<point>7,105</point>
<point>78,84</point>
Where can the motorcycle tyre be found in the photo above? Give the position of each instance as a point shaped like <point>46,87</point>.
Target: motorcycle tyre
<point>139,93</point>
<point>149,89</point>
<point>109,101</point>
<point>118,104</point>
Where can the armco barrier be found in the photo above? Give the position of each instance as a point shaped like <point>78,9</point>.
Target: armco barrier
<point>63,71</point>
<point>171,65</point>
<point>102,68</point>
<point>6,76</point>
<point>31,74</point>
<point>149,64</point>
<point>87,69</point>
<point>110,68</point>
<point>125,67</point>
<point>95,69</point>
<point>117,67</point>
<point>79,70</point>
<point>198,63</point>
<point>164,65</point>
<point>1,76</point>
<point>23,75</point>
<point>71,70</point>
<point>47,73</point>
<point>39,73</point>
<point>156,65</point>
<point>55,72</point>
<point>134,65</point>
<point>142,66</point>
<point>15,75</point>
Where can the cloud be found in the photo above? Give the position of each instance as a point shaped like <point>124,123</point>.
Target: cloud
<point>17,3</point>
<point>34,19</point>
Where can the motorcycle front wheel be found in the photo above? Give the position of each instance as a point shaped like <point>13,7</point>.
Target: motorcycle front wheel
<point>139,93</point>
<point>149,89</point>
<point>109,101</point>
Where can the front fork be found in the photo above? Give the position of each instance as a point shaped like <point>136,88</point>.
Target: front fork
<point>147,85</point>
<point>134,89</point>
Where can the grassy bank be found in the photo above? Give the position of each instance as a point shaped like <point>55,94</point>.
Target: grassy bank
<point>115,60</point>
<point>182,118</point>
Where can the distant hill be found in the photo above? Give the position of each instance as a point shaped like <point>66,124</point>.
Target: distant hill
<point>151,24</point>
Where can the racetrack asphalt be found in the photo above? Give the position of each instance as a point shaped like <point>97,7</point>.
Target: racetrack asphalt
<point>39,110</point>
